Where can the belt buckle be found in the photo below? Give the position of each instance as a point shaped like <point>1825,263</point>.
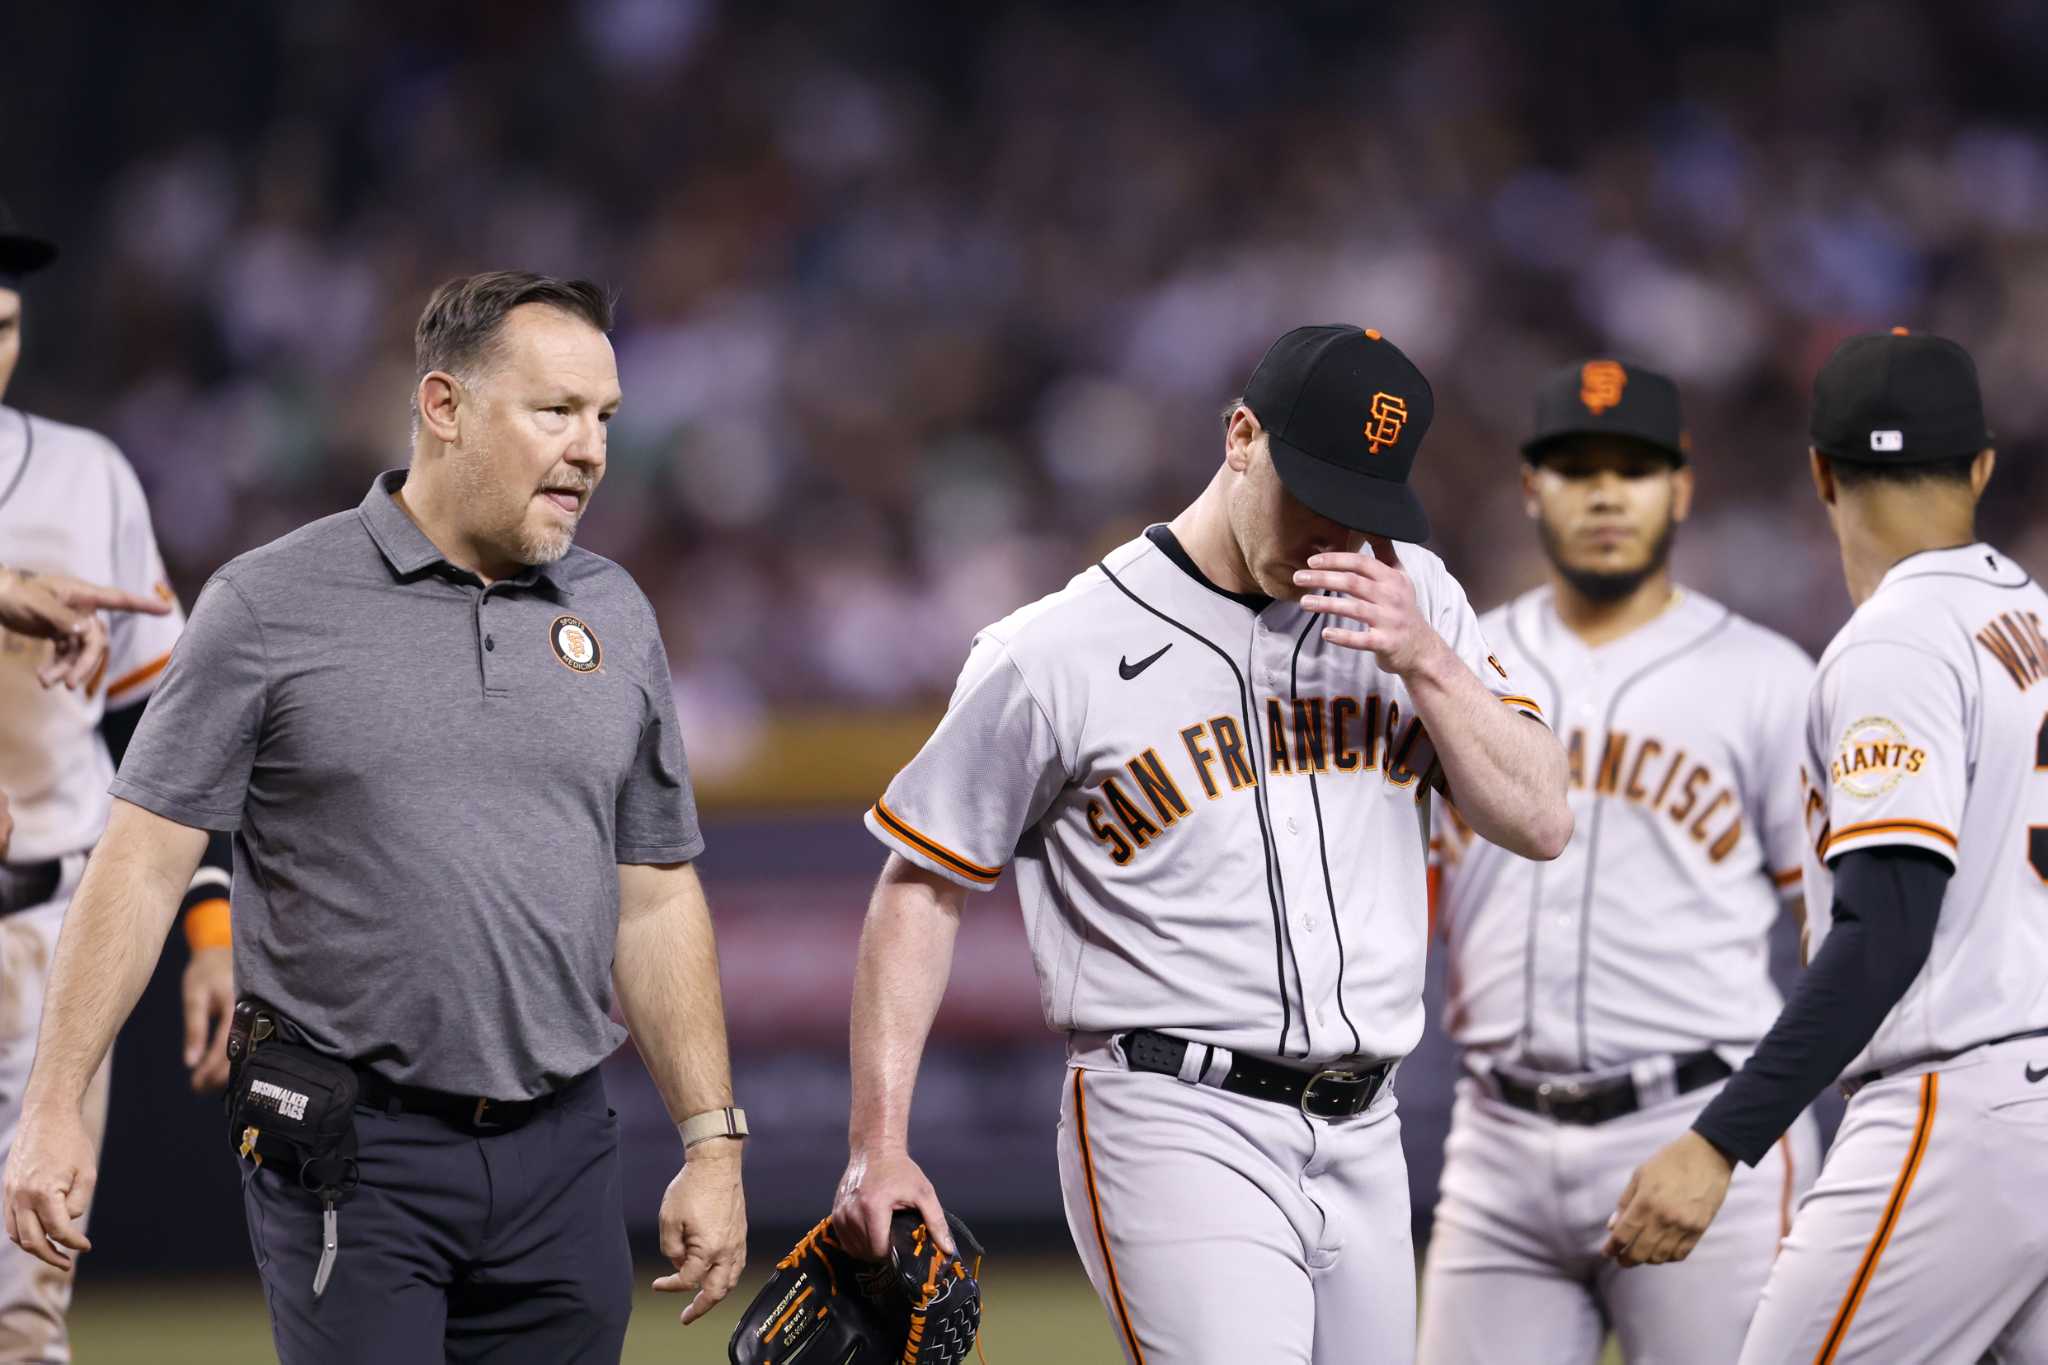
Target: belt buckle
<point>1336,1076</point>
<point>476,1120</point>
<point>1551,1094</point>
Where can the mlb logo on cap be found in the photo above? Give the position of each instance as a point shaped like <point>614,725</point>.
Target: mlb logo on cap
<point>1887,440</point>
<point>1897,397</point>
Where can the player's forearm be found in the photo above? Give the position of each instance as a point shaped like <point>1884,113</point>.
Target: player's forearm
<point>1887,904</point>
<point>665,970</point>
<point>112,936</point>
<point>1506,773</point>
<point>906,956</point>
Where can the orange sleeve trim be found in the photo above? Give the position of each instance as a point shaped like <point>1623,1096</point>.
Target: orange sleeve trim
<point>1930,1090</point>
<point>1116,1293</point>
<point>933,849</point>
<point>1869,827</point>
<point>209,925</point>
<point>1527,703</point>
<point>1791,876</point>
<point>139,676</point>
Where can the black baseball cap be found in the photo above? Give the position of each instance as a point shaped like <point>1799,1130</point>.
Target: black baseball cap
<point>1346,413</point>
<point>21,254</point>
<point>1608,398</point>
<point>1898,397</point>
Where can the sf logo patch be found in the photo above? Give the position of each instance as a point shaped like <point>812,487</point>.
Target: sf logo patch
<point>1600,385</point>
<point>1874,758</point>
<point>1389,415</point>
<point>575,645</point>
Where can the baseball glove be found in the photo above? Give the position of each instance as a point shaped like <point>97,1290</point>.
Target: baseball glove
<point>919,1307</point>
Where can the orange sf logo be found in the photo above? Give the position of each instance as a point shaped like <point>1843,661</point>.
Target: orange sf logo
<point>1600,385</point>
<point>1389,415</point>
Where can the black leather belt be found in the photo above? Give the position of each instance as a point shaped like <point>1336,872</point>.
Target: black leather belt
<point>1576,1100</point>
<point>24,886</point>
<point>475,1112</point>
<point>1852,1084</point>
<point>1332,1093</point>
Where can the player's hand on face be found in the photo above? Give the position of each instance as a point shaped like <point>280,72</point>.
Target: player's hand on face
<point>209,1009</point>
<point>704,1227</point>
<point>1378,599</point>
<point>874,1187</point>
<point>49,1183</point>
<point>1669,1203</point>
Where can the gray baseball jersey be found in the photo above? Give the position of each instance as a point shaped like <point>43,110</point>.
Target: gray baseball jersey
<point>70,504</point>
<point>1646,941</point>
<point>1217,816</point>
<point>1648,935</point>
<point>1928,728</point>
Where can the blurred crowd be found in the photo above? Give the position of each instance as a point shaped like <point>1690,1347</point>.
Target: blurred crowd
<point>923,307</point>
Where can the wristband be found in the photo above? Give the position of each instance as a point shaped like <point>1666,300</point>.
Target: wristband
<point>729,1122</point>
<point>207,925</point>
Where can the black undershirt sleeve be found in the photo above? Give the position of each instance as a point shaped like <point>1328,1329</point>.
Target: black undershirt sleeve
<point>1887,901</point>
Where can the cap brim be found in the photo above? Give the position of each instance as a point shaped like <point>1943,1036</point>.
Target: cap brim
<point>21,255</point>
<point>1379,507</point>
<point>1535,449</point>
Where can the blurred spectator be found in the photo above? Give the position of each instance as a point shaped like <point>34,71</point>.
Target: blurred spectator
<point>922,305</point>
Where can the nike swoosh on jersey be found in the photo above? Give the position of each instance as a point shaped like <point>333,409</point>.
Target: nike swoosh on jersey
<point>2034,1077</point>
<point>1127,670</point>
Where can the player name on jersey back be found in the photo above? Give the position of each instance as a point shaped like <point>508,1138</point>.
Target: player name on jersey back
<point>1647,935</point>
<point>1928,728</point>
<point>1216,815</point>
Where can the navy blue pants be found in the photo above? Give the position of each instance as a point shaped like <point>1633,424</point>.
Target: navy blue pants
<point>460,1245</point>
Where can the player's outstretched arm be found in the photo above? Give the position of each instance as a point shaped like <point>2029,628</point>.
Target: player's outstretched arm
<point>665,967</point>
<point>1507,772</point>
<point>65,610</point>
<point>906,957</point>
<point>112,936</point>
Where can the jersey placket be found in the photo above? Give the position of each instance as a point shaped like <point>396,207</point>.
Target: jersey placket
<point>1562,894</point>
<point>1312,951</point>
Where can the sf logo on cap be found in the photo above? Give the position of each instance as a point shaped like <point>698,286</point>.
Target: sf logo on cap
<point>1389,415</point>
<point>1600,385</point>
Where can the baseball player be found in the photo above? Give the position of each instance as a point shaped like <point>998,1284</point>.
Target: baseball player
<point>1925,771</point>
<point>70,505</point>
<point>1208,756</point>
<point>1603,998</point>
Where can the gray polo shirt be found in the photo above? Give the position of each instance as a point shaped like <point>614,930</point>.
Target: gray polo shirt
<point>431,784</point>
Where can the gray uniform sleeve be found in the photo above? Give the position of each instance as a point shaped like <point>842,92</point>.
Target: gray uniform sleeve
<point>1450,611</point>
<point>656,817</point>
<point>192,754</point>
<point>987,774</point>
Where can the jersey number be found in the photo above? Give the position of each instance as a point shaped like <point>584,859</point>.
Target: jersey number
<point>2037,835</point>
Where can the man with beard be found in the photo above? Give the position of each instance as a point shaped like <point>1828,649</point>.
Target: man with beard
<point>1602,999</point>
<point>446,745</point>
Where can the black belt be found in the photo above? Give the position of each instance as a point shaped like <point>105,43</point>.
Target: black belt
<point>476,1112</point>
<point>1855,1083</point>
<point>1331,1093</point>
<point>1575,1100</point>
<point>24,886</point>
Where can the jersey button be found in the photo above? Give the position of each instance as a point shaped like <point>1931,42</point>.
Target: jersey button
<point>490,643</point>
<point>1292,827</point>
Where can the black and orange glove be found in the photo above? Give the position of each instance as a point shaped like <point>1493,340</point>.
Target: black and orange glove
<point>930,1301</point>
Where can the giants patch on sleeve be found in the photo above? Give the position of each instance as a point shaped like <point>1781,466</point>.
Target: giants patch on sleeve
<point>1875,756</point>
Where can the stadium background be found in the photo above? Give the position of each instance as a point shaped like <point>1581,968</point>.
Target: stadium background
<point>922,307</point>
